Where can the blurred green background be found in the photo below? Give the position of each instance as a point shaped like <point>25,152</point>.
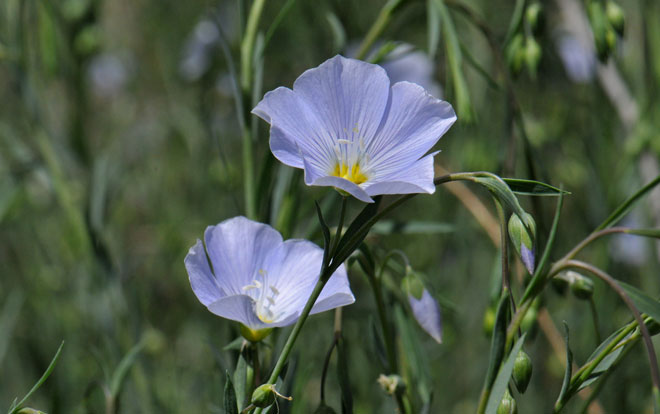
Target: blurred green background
<point>119,144</point>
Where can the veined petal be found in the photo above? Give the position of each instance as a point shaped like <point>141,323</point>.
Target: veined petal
<point>417,178</point>
<point>202,280</point>
<point>335,293</point>
<point>237,248</point>
<point>427,314</point>
<point>239,308</point>
<point>294,268</point>
<point>347,96</point>
<point>415,121</point>
<point>345,185</point>
<point>294,130</point>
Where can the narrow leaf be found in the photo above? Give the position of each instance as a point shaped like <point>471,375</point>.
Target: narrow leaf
<point>498,339</point>
<point>503,376</point>
<point>433,27</point>
<point>343,377</point>
<point>231,406</point>
<point>43,378</point>
<point>627,205</point>
<point>122,369</point>
<point>644,302</point>
<point>655,233</point>
<point>412,227</point>
<point>532,187</point>
<point>567,372</point>
<point>240,381</point>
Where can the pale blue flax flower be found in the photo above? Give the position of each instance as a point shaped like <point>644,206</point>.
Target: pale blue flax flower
<point>348,128</point>
<point>254,277</point>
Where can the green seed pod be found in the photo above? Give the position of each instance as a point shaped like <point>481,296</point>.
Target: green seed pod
<point>522,371</point>
<point>559,284</point>
<point>599,27</point>
<point>522,239</point>
<point>610,39</point>
<point>515,54</point>
<point>653,327</point>
<point>615,16</point>
<point>324,409</point>
<point>263,396</point>
<point>507,405</point>
<point>489,321</point>
<point>581,286</point>
<point>532,56</point>
<point>533,16</point>
<point>529,320</point>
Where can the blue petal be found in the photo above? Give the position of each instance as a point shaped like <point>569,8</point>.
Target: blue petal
<point>202,280</point>
<point>427,314</point>
<point>343,184</point>
<point>293,268</point>
<point>237,248</point>
<point>238,308</point>
<point>348,96</point>
<point>527,257</point>
<point>414,122</point>
<point>418,178</point>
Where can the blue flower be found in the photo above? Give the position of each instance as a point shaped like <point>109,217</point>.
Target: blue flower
<point>427,313</point>
<point>348,128</point>
<point>256,278</point>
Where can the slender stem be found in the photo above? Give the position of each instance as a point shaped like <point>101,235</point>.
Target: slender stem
<point>504,245</point>
<point>247,46</point>
<point>377,27</point>
<point>594,316</point>
<point>653,360</point>
<point>593,236</point>
<point>326,363</point>
<point>384,322</point>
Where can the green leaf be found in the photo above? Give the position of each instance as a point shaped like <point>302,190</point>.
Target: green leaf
<point>43,379</point>
<point>325,230</point>
<point>627,205</point>
<point>414,354</point>
<point>412,227</point>
<point>503,377</point>
<point>433,27</point>
<point>500,191</point>
<point>642,301</point>
<point>231,407</point>
<point>516,20</point>
<point>356,232</point>
<point>532,187</point>
<point>498,339</point>
<point>567,373</point>
<point>655,233</point>
<point>122,369</point>
<point>343,377</point>
<point>240,381</point>
<point>455,59</point>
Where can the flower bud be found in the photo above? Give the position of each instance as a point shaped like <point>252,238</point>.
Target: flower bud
<point>615,16</point>
<point>559,284</point>
<point>582,287</point>
<point>392,384</point>
<point>507,405</point>
<point>424,307</point>
<point>522,371</point>
<point>533,16</point>
<point>263,396</point>
<point>522,239</point>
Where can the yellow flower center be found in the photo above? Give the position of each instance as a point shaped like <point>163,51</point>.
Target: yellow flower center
<point>352,173</point>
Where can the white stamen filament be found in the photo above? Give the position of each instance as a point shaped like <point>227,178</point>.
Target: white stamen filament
<point>264,297</point>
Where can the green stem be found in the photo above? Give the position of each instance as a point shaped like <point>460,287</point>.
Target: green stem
<point>384,323</point>
<point>247,46</point>
<point>377,27</point>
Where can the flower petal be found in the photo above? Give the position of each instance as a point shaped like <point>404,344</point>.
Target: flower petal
<point>348,97</point>
<point>427,314</point>
<point>237,248</point>
<point>417,178</point>
<point>294,129</point>
<point>335,293</point>
<point>343,184</point>
<point>414,122</point>
<point>238,308</point>
<point>293,269</point>
<point>202,280</point>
